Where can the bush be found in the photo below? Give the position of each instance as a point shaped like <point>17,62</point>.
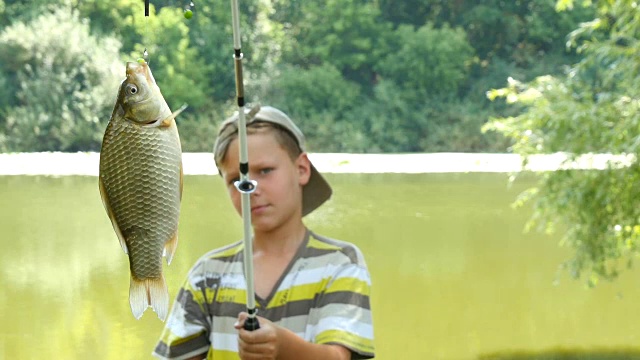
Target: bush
<point>427,60</point>
<point>319,100</point>
<point>65,83</point>
<point>198,132</point>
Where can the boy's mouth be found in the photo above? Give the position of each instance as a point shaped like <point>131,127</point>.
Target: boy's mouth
<point>258,208</point>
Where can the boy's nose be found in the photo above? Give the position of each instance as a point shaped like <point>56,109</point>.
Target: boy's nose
<point>256,191</point>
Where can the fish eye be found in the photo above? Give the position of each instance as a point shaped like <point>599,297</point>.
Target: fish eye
<point>132,89</point>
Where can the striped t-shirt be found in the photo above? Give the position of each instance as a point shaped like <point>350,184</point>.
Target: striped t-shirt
<point>322,296</point>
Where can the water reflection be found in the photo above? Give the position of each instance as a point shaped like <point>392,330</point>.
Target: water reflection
<point>454,277</point>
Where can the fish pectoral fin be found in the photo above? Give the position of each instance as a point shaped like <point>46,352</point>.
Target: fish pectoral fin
<point>114,223</point>
<point>149,292</point>
<point>169,119</point>
<point>170,247</point>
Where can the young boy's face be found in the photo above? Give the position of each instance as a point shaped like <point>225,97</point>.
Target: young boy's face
<point>277,200</point>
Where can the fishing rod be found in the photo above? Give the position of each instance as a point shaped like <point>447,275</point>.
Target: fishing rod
<point>245,186</point>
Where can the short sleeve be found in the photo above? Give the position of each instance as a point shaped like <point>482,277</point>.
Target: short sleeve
<point>343,313</point>
<point>187,329</point>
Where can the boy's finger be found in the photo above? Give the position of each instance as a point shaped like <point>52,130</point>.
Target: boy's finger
<point>241,319</point>
<point>252,337</point>
<point>248,347</point>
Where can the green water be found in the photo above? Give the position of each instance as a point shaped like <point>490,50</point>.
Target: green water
<point>454,276</point>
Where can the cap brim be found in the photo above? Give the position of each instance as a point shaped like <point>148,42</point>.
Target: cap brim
<point>315,192</point>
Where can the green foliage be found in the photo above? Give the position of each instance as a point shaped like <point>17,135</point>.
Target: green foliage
<point>64,81</point>
<point>13,11</point>
<point>593,109</point>
<point>210,36</point>
<point>383,75</point>
<point>528,28</point>
<point>393,119</point>
<point>191,59</point>
<point>483,19</point>
<point>397,119</point>
<point>165,35</point>
<point>111,17</point>
<point>319,99</point>
<point>403,111</point>
<point>432,62</point>
<point>197,132</point>
<point>352,41</point>
<point>175,64</point>
<point>417,12</point>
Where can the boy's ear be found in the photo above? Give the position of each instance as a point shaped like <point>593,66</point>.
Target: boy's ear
<point>303,165</point>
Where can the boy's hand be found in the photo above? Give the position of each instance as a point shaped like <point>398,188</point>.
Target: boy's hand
<point>261,344</point>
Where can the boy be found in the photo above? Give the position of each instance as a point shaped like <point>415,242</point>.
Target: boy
<point>312,293</point>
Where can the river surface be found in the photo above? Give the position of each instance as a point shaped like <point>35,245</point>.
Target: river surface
<point>454,276</point>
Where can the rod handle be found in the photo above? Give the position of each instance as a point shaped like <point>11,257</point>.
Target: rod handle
<point>251,323</point>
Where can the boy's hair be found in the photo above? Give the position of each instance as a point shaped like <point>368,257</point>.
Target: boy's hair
<point>288,135</point>
<point>284,138</point>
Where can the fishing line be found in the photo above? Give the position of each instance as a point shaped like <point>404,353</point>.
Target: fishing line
<point>145,54</point>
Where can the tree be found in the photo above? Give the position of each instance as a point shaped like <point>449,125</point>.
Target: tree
<point>353,40</point>
<point>432,62</point>
<point>13,11</point>
<point>436,57</point>
<point>594,108</point>
<point>166,36</point>
<point>320,100</point>
<point>63,83</point>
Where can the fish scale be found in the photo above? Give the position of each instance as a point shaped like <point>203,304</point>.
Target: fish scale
<point>141,185</point>
<point>134,199</point>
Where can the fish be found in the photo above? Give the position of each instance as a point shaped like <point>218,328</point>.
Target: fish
<point>140,183</point>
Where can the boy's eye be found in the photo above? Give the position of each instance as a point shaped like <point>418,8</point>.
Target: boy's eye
<point>233,180</point>
<point>265,170</point>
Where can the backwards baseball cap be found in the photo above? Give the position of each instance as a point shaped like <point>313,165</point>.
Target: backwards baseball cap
<point>316,191</point>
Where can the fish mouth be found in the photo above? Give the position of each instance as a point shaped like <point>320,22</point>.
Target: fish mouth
<point>146,124</point>
<point>140,67</point>
<point>152,123</point>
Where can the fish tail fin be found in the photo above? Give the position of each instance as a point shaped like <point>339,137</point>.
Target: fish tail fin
<point>149,292</point>
<point>170,247</point>
<point>159,296</point>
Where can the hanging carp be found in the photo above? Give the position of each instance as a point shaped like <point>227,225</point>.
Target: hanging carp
<point>141,184</point>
